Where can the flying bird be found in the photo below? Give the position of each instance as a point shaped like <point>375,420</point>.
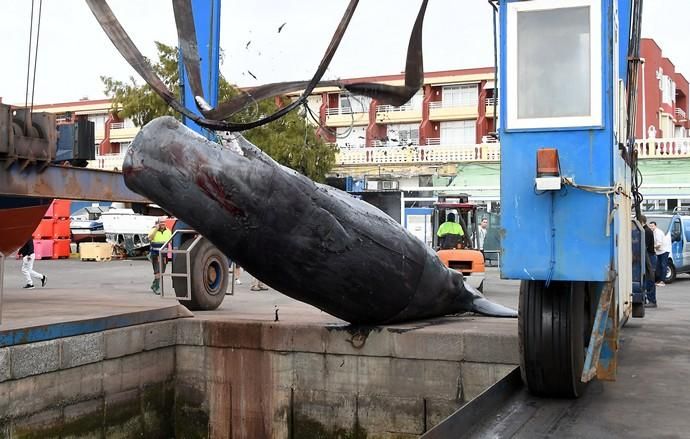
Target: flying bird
<point>248,43</point>
<point>280,28</point>
<point>253,76</point>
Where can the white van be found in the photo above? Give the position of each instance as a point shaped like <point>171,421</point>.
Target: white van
<point>676,224</point>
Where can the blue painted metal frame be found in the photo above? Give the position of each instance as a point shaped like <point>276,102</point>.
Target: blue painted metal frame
<point>207,24</point>
<point>416,211</point>
<point>583,251</point>
<point>34,334</point>
<point>566,235</point>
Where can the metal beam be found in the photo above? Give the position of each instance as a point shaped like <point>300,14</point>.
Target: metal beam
<point>66,182</point>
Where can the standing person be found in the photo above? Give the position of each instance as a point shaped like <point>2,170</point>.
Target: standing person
<point>158,236</point>
<point>662,248</point>
<point>257,285</point>
<point>237,272</point>
<point>28,257</point>
<point>482,232</point>
<point>650,285</point>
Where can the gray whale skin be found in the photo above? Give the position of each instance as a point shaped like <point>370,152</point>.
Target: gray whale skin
<point>312,242</point>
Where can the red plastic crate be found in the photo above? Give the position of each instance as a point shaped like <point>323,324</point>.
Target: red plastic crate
<point>49,212</point>
<point>170,223</point>
<point>61,248</point>
<point>43,248</point>
<point>61,208</point>
<point>61,228</point>
<point>44,229</point>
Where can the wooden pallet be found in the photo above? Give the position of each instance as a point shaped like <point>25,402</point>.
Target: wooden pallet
<point>97,259</point>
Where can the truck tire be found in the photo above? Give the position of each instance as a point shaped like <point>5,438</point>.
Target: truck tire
<point>209,271</point>
<point>638,310</point>
<point>553,333</point>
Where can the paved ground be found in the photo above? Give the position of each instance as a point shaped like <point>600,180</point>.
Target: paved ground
<point>78,288</point>
<point>649,399</point>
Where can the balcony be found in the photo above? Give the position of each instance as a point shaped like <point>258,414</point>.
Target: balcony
<point>681,115</point>
<point>440,111</point>
<point>490,104</point>
<point>435,152</point>
<point>345,116</point>
<point>120,133</point>
<point>402,114</point>
<point>663,148</point>
<point>108,162</point>
<point>422,154</point>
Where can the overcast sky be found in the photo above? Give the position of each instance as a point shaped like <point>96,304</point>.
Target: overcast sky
<point>74,52</point>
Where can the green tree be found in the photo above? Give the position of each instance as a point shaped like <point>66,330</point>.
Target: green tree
<point>289,140</point>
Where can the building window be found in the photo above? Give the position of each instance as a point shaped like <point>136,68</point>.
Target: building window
<point>554,64</point>
<point>463,132</point>
<point>353,103</point>
<point>667,87</point>
<point>403,134</point>
<point>465,95</point>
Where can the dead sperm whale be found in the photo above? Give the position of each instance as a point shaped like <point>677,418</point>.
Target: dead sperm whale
<point>311,242</point>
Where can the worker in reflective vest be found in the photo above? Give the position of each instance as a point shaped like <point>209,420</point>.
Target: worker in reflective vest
<point>159,235</point>
<point>449,233</point>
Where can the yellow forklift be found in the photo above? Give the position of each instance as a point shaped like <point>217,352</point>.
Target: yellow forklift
<point>460,253</point>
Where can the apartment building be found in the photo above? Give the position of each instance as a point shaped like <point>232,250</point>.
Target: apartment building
<point>663,96</point>
<point>441,140</point>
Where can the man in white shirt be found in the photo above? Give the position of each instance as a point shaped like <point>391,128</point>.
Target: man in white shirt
<point>482,232</point>
<point>662,248</point>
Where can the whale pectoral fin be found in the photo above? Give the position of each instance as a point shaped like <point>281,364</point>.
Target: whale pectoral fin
<point>482,305</point>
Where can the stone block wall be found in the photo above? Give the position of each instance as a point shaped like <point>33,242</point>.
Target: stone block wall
<point>246,380</point>
<point>117,383</point>
<point>200,378</point>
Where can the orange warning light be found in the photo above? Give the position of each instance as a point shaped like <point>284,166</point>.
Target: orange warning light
<point>547,162</point>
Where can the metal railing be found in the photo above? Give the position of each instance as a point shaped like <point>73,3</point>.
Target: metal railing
<point>117,125</point>
<point>420,154</point>
<point>680,113</point>
<point>188,263</point>
<point>109,162</point>
<point>339,111</point>
<point>490,101</point>
<point>447,104</point>
<point>390,108</point>
<point>390,143</point>
<point>663,148</point>
<point>433,141</point>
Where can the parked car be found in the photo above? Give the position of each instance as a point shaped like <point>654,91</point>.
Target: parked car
<point>676,224</point>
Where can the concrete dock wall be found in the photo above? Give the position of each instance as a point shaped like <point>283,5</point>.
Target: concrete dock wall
<point>203,378</point>
<point>251,380</point>
<point>117,383</point>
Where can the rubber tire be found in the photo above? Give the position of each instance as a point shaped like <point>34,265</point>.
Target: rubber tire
<point>669,278</point>
<point>205,295</point>
<point>552,334</point>
<point>638,310</point>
